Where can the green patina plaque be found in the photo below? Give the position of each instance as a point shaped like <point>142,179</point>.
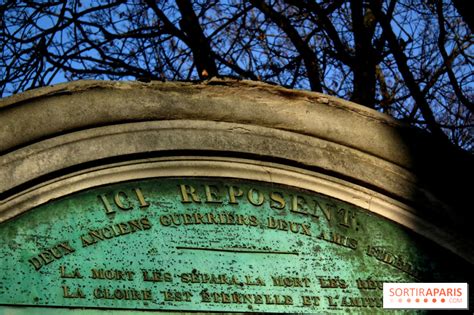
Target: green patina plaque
<point>197,244</point>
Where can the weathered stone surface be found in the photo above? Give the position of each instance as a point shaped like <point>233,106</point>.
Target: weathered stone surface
<point>85,104</point>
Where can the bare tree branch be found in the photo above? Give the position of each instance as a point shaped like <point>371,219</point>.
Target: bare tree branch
<point>308,55</point>
<point>412,60</point>
<point>410,81</point>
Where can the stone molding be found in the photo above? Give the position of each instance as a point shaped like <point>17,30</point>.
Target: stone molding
<point>238,169</point>
<point>57,135</point>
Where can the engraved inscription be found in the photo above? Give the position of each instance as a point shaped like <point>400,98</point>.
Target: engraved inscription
<point>205,245</point>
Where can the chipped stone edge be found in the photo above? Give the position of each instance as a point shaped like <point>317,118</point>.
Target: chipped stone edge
<point>85,85</point>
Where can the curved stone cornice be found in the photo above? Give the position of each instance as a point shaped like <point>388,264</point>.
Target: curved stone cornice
<point>71,128</point>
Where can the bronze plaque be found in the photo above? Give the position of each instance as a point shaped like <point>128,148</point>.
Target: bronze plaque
<point>197,244</point>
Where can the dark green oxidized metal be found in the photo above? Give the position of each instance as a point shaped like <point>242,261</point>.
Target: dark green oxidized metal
<point>209,245</point>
